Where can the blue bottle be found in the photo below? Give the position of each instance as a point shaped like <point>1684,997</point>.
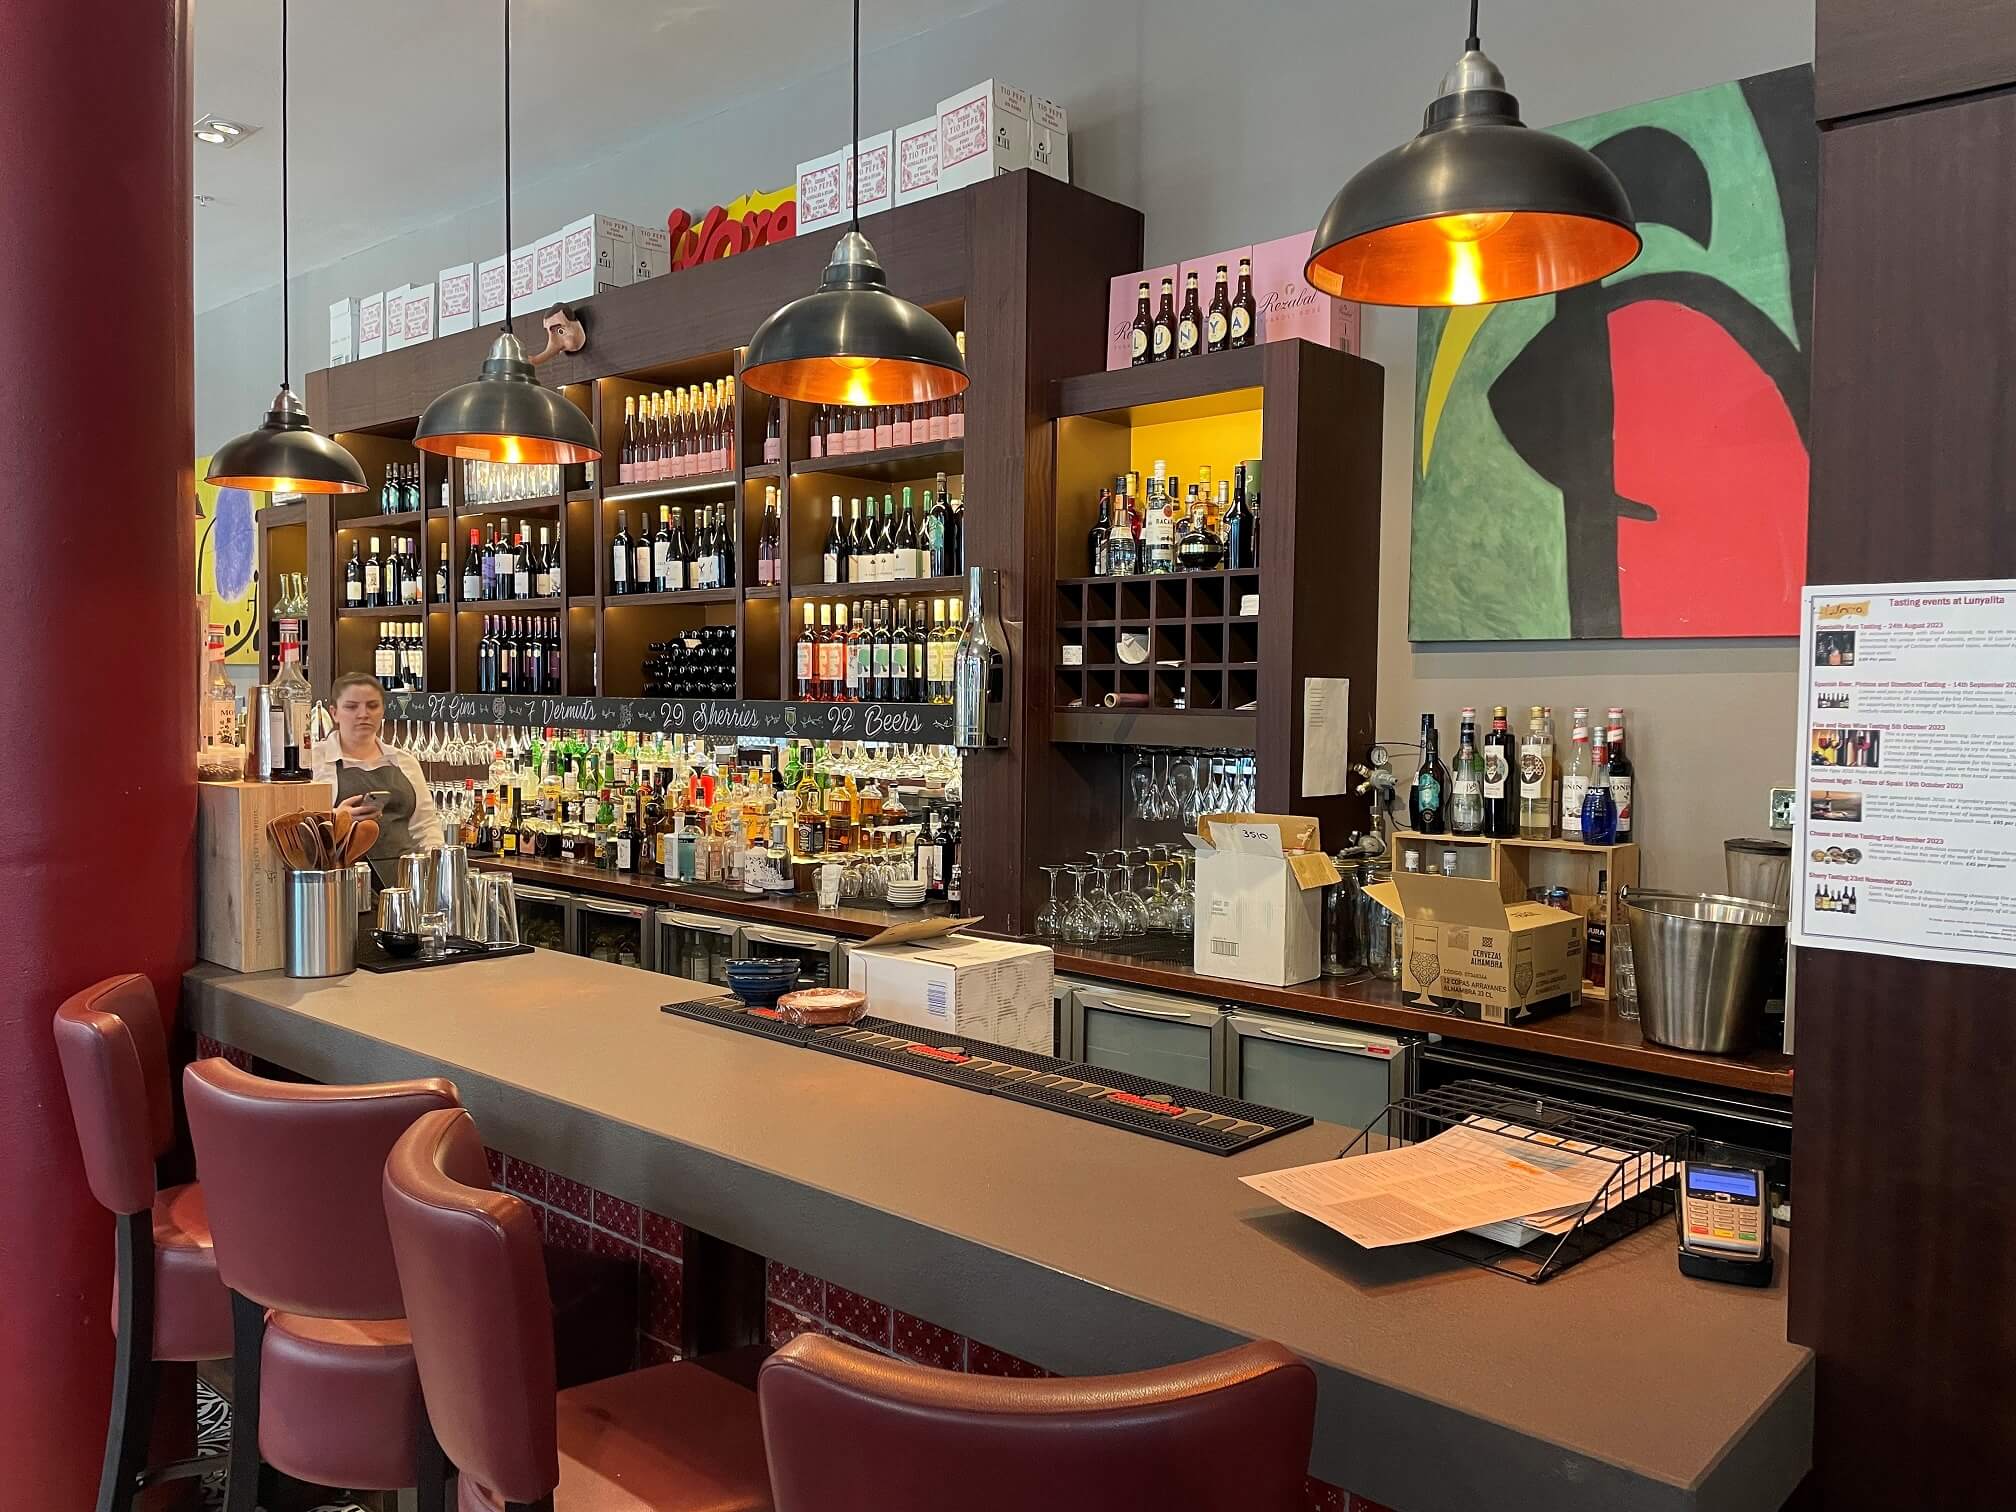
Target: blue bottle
<point>1599,810</point>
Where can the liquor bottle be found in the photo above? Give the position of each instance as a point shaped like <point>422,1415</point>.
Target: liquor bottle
<point>620,557</point>
<point>374,578</point>
<point>1198,548</point>
<point>1158,538</point>
<point>1190,324</point>
<point>353,577</point>
<point>909,559</point>
<point>1239,526</point>
<point>1123,547</point>
<point>1596,934</point>
<point>1218,320</point>
<point>833,564</point>
<point>1431,782</point>
<point>807,687</point>
<point>773,433</point>
<point>521,564</point>
<point>1621,786</point>
<point>980,671</point>
<point>1501,782</point>
<point>1575,778</point>
<point>770,541</point>
<point>1099,554</point>
<point>1164,335</point>
<point>1143,332</point>
<point>1599,810</point>
<point>1536,778</point>
<point>1242,306</point>
<point>1466,787</point>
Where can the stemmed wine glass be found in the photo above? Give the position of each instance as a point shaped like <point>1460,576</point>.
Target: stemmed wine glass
<point>1081,924</point>
<point>1133,911</point>
<point>1050,917</point>
<point>1183,790</point>
<point>1142,779</point>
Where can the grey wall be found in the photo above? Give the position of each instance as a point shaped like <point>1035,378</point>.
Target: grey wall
<point>1223,124</point>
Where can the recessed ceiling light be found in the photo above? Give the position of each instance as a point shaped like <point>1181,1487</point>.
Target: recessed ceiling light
<point>218,132</point>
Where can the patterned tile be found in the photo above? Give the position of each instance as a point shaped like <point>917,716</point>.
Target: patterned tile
<point>795,1288</point>
<point>984,1359</point>
<point>665,1235</point>
<point>661,1298</point>
<point>652,1351</point>
<point>1321,1496</point>
<point>613,1246</point>
<point>781,1325</point>
<point>525,1178</point>
<point>618,1216</point>
<point>573,1196</point>
<point>495,1160</point>
<point>927,1343</point>
<point>563,1232</point>
<point>861,1316</point>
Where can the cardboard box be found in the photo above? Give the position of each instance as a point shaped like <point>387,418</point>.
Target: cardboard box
<point>240,880</point>
<point>457,287</point>
<point>958,985</point>
<point>823,199</point>
<point>419,314</point>
<point>1122,300</point>
<point>652,253</point>
<point>395,317</point>
<point>371,325</point>
<point>982,132</point>
<point>493,281</point>
<point>1260,881</point>
<point>916,158</point>
<point>342,332</point>
<point>877,171</point>
<point>524,281</point>
<point>1049,138</point>
<point>549,262</point>
<point>1287,308</point>
<point>597,252</point>
<point>1477,956</point>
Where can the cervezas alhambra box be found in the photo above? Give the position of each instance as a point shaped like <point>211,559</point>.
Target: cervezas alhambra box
<point>1469,953</point>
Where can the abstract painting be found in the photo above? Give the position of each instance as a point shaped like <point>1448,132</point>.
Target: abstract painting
<point>227,564</point>
<point>1628,460</point>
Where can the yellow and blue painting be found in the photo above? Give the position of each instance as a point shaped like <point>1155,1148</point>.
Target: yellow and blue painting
<point>227,564</point>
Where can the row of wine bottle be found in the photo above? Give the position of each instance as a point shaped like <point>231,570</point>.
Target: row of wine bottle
<point>672,561</point>
<point>884,654</point>
<point>519,654</point>
<point>1170,333</point>
<point>896,546</point>
<point>680,433</point>
<point>390,579</point>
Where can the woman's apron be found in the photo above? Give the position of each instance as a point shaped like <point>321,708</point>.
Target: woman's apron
<point>395,834</point>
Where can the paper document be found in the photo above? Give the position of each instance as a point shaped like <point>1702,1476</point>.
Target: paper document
<point>1633,1174</point>
<point>1462,1178</point>
<point>1326,736</point>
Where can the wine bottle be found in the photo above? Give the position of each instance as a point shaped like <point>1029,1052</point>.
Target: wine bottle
<point>807,652</point>
<point>353,577</point>
<point>545,568</point>
<point>1501,781</point>
<point>374,578</point>
<point>521,564</point>
<point>773,433</point>
<point>620,558</point>
<point>1431,783</point>
<point>472,568</point>
<point>833,561</point>
<point>1101,536</point>
<point>641,576</point>
<point>441,576</point>
<point>770,541</point>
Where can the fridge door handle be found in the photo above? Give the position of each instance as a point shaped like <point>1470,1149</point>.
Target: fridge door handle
<point>616,910</point>
<point>1350,1046</point>
<point>697,921</point>
<point>788,937</point>
<point>1142,1010</point>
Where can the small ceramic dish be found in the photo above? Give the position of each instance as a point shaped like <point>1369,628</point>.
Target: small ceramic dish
<point>817,1007</point>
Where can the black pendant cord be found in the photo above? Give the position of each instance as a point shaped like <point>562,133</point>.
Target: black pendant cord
<point>507,165</point>
<point>286,304</point>
<point>1472,45</point>
<point>854,147</point>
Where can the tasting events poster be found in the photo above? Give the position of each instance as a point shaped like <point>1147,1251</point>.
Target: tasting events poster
<point>1906,822</point>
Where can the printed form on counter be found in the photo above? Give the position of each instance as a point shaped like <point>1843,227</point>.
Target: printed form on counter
<point>1905,825</point>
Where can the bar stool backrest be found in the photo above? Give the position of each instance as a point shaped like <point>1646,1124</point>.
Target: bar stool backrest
<point>291,1177</point>
<point>849,1431</point>
<point>474,1277</point>
<point>114,1053</point>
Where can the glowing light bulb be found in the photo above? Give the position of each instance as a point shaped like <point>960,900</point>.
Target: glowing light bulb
<point>1466,274</point>
<point>1472,227</point>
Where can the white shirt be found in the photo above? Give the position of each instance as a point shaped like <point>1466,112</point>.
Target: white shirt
<point>425,825</point>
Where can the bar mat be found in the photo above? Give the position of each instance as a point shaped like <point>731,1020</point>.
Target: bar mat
<point>729,1013</point>
<point>371,956</point>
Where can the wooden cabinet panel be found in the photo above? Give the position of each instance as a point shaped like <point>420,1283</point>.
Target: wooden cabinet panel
<point>1877,54</point>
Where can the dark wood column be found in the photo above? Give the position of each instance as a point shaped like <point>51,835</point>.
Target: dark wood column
<point>1904,1261</point>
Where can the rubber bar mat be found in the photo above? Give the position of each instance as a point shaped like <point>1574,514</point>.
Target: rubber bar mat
<point>1118,1099</point>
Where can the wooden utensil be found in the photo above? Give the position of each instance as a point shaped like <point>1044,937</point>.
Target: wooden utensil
<point>285,834</point>
<point>342,819</point>
<point>363,835</point>
<point>325,827</point>
<point>311,843</point>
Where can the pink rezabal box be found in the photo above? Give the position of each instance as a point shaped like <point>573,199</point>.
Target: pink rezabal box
<point>1287,308</point>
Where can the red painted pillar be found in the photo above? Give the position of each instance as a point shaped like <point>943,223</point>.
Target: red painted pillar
<point>97,656</point>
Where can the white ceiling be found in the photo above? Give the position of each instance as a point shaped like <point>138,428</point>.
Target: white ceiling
<point>396,108</point>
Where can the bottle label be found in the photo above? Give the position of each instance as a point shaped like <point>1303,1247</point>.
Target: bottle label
<point>1429,791</point>
<point>830,573</point>
<point>1162,335</point>
<point>623,853</point>
<point>1186,337</point>
<point>371,578</point>
<point>1466,790</point>
<point>804,663</point>
<point>1573,791</point>
<point>1215,328</point>
<point>1241,323</point>
<point>1140,342</point>
<point>661,554</point>
<point>1532,772</point>
<point>675,574</point>
<point>353,593</point>
<point>1496,770</point>
<point>621,564</point>
<point>1620,797</point>
<point>773,449</point>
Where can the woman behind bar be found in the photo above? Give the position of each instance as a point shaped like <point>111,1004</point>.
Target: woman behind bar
<point>374,780</point>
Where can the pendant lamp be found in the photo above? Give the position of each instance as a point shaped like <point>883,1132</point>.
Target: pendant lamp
<point>284,455</point>
<point>505,415</point>
<point>854,342</point>
<point>1476,209</point>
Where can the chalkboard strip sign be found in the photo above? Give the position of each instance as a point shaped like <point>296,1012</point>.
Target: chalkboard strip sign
<point>922,724</point>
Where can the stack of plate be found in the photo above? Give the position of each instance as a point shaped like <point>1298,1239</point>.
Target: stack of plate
<point>905,894</point>
<point>760,980</point>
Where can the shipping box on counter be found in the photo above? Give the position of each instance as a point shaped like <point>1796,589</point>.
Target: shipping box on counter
<point>240,880</point>
<point>924,975</point>
<point>1260,881</point>
<point>1477,956</point>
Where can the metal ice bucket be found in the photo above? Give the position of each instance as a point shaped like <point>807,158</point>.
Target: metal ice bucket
<point>1704,964</point>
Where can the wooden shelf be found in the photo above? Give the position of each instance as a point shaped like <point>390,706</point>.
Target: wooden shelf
<point>384,611</point>
<point>384,524</point>
<point>508,606</point>
<point>622,493</point>
<point>275,516</point>
<point>760,591</point>
<point>894,464</point>
<point>893,588</point>
<point>1228,729</point>
<point>1399,835</point>
<point>544,505</point>
<point>659,600</point>
<point>1216,383</point>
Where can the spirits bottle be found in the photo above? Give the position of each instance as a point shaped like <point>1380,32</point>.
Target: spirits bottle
<point>1198,548</point>
<point>1466,788</point>
<point>1536,778</point>
<point>1621,784</point>
<point>1575,778</point>
<point>980,670</point>
<point>1100,557</point>
<point>1599,812</point>
<point>1431,782</point>
<point>1501,781</point>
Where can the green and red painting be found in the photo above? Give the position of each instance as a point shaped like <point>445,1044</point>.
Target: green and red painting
<point>1629,459</point>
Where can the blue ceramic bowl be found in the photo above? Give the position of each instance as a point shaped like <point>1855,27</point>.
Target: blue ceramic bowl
<point>760,994</point>
<point>762,969</point>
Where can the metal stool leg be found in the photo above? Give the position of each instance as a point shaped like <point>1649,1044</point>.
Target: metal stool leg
<point>248,1334</point>
<point>133,1382</point>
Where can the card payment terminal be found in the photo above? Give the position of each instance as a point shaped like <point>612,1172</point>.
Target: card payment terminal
<point>1725,1223</point>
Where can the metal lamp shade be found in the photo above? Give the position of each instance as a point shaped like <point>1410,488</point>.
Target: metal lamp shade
<point>1475,210</point>
<point>285,456</point>
<point>507,416</point>
<point>854,342</point>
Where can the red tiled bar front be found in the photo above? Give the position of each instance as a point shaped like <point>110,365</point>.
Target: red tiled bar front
<point>919,1220</point>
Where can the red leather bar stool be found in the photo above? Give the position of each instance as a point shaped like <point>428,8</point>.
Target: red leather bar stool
<point>325,1387</point>
<point>169,1303</point>
<point>673,1438</point>
<point>849,1431</point>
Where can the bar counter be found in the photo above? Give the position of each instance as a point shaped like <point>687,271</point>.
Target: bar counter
<point>1443,1388</point>
<point>1587,1032</point>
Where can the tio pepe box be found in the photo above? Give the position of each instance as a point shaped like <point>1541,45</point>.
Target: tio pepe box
<point>915,160</point>
<point>457,287</point>
<point>343,332</point>
<point>395,317</point>
<point>1260,881</point>
<point>826,185</point>
<point>419,314</point>
<point>493,280</point>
